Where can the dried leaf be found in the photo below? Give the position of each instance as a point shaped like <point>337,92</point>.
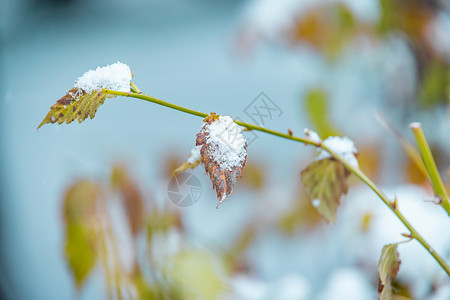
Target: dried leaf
<point>325,181</point>
<point>388,267</point>
<point>131,198</point>
<point>76,104</point>
<point>223,153</point>
<point>80,251</point>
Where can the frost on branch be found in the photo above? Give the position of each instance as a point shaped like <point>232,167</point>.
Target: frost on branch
<point>388,267</point>
<point>223,153</point>
<point>87,95</point>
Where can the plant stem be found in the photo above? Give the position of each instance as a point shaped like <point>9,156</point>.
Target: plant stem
<point>394,208</point>
<point>430,165</point>
<point>355,170</point>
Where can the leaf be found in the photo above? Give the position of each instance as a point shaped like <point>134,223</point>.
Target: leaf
<point>197,275</point>
<point>388,267</point>
<point>223,153</point>
<point>191,163</point>
<point>79,208</point>
<point>325,181</point>
<point>316,105</point>
<point>327,27</point>
<point>435,84</point>
<point>131,198</point>
<point>76,104</point>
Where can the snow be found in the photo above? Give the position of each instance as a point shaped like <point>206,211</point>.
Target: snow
<point>194,156</point>
<point>227,144</point>
<point>312,135</point>
<point>292,286</point>
<point>418,267</point>
<point>349,284</point>
<point>415,125</point>
<point>114,77</point>
<point>315,202</point>
<point>342,146</point>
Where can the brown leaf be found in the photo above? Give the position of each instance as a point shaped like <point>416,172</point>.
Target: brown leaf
<point>325,181</point>
<point>131,198</point>
<point>388,267</point>
<point>222,171</point>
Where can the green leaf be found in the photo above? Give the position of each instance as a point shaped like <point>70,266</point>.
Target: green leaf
<point>316,105</point>
<point>388,267</point>
<point>435,84</point>
<point>325,181</point>
<point>197,275</point>
<point>76,104</point>
<point>80,229</point>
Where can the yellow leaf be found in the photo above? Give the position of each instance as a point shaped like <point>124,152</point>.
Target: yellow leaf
<point>79,209</point>
<point>388,267</point>
<point>76,104</point>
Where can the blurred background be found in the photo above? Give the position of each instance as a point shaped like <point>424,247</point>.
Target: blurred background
<point>363,69</point>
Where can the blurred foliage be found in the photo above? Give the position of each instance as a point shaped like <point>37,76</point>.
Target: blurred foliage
<point>369,160</point>
<point>435,85</point>
<point>316,106</point>
<point>327,27</point>
<point>303,215</point>
<point>80,209</point>
<point>131,198</point>
<point>253,176</point>
<point>197,275</point>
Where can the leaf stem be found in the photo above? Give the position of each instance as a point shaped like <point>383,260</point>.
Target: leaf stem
<point>430,165</point>
<point>355,170</point>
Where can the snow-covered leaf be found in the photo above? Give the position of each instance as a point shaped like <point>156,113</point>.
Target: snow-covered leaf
<point>192,162</point>
<point>388,267</point>
<point>87,95</point>
<point>79,206</point>
<point>325,181</point>
<point>223,153</point>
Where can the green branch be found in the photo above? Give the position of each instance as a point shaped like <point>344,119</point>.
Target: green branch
<point>430,165</point>
<point>355,170</point>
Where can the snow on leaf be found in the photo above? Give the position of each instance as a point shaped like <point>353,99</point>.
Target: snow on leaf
<point>343,146</point>
<point>223,153</point>
<point>325,181</point>
<point>192,162</point>
<point>81,233</point>
<point>388,267</point>
<point>87,95</point>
